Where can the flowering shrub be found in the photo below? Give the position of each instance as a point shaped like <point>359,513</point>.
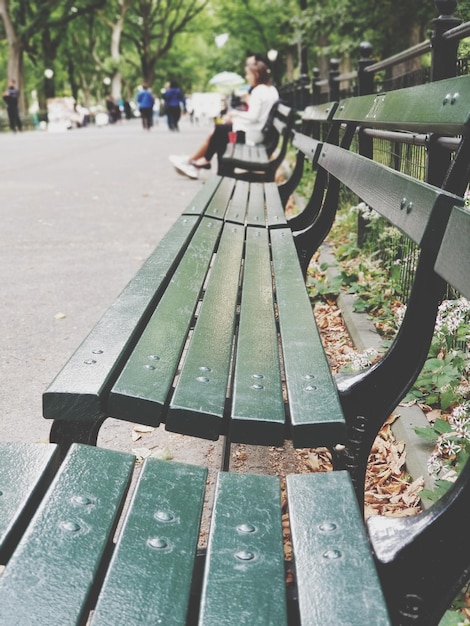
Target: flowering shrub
<point>443,380</point>
<point>358,361</point>
<point>452,448</point>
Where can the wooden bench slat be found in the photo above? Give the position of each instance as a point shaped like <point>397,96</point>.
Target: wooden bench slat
<point>237,208</point>
<point>275,214</point>
<point>25,473</point>
<point>198,204</point>
<point>307,145</point>
<point>158,351</point>
<point>335,573</point>
<point>150,575</point>
<point>315,409</point>
<point>198,403</point>
<point>449,263</point>
<point>257,409</point>
<point>319,112</point>
<point>220,200</point>
<point>424,209</point>
<point>256,215</point>
<point>50,576</point>
<point>78,391</point>
<point>244,579</point>
<point>439,107</point>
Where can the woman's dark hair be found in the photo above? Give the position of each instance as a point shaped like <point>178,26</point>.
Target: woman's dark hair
<point>261,72</point>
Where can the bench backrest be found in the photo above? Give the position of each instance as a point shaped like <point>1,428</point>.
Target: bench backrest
<point>278,127</point>
<point>415,207</point>
<point>424,560</point>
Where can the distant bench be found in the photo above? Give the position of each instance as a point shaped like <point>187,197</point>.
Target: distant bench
<point>260,162</point>
<point>215,336</point>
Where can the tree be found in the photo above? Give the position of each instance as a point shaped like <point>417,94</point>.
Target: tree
<point>115,20</point>
<point>152,26</point>
<point>37,29</point>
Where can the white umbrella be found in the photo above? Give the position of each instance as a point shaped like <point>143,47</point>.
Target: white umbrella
<point>226,79</point>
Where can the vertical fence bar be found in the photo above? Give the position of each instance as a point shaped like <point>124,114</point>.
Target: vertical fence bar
<point>333,83</point>
<point>443,65</point>
<point>365,79</point>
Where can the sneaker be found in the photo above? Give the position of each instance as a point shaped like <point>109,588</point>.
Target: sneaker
<point>188,170</point>
<point>178,159</point>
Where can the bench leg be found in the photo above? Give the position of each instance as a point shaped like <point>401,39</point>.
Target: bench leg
<point>66,432</point>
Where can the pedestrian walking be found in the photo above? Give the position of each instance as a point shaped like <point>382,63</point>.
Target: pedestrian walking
<point>175,103</point>
<point>145,100</point>
<point>11,96</point>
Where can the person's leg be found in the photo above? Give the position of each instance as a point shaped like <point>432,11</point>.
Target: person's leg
<point>218,141</point>
<point>201,151</point>
<point>11,119</point>
<point>177,117</point>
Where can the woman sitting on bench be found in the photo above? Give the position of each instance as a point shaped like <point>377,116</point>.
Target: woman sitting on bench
<point>263,96</point>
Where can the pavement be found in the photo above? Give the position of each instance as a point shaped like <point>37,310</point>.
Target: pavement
<point>80,212</point>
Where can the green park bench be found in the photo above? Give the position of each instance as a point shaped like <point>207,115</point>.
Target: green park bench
<point>213,337</point>
<point>260,162</point>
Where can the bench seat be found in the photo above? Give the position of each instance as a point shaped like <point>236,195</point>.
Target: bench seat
<point>260,162</point>
<point>67,565</point>
<point>193,341</point>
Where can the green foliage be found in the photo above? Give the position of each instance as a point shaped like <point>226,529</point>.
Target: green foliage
<point>324,288</point>
<point>439,383</point>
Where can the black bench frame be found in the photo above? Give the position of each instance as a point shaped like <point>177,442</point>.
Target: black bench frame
<point>427,214</point>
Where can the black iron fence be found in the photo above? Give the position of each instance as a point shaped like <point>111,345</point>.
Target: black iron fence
<point>437,59</point>
<point>374,77</point>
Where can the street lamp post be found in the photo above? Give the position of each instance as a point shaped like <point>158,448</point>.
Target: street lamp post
<point>49,90</point>
<point>272,56</point>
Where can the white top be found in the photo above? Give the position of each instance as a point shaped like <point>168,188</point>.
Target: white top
<point>252,121</point>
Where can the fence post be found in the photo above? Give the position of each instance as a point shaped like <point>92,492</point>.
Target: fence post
<point>304,91</point>
<point>443,65</point>
<point>316,97</point>
<point>365,143</point>
<point>365,79</point>
<point>444,52</point>
<point>332,83</point>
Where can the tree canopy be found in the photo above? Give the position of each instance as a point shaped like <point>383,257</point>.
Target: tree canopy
<point>93,46</point>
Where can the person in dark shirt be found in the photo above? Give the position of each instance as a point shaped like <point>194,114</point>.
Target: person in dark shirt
<point>145,100</point>
<point>11,96</point>
<point>175,103</point>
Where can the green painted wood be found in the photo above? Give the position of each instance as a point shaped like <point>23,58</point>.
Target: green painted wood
<point>26,470</point>
<point>335,573</point>
<point>150,575</point>
<point>79,390</point>
<point>50,576</point>
<point>454,250</point>
<point>199,203</point>
<point>275,214</point>
<point>221,198</point>
<point>319,112</point>
<point>258,410</point>
<point>315,409</point>
<point>256,215</point>
<point>198,404</point>
<point>237,208</point>
<point>418,209</point>
<point>141,391</point>
<point>439,107</point>
<point>244,574</point>
<point>309,146</point>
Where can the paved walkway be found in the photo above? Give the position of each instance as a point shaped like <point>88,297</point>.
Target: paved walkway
<point>80,212</point>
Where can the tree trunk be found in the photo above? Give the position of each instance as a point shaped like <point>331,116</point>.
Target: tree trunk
<point>15,53</point>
